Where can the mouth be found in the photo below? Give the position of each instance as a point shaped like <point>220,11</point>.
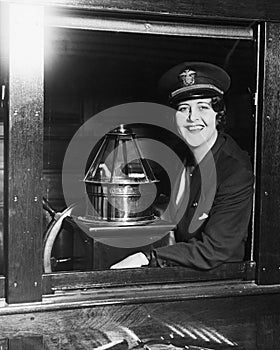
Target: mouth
<point>194,128</point>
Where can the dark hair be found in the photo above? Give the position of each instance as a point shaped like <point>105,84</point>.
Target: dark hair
<point>218,105</point>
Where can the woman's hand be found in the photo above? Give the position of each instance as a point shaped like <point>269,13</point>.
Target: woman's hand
<point>132,261</point>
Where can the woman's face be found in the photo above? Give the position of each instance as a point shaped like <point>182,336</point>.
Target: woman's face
<point>196,122</point>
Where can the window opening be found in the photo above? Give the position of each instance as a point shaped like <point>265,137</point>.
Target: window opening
<point>88,71</point>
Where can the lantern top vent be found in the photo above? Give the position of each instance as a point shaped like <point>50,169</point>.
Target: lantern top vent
<point>119,160</point>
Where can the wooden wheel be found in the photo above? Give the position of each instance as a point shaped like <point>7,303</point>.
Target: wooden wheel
<point>52,233</point>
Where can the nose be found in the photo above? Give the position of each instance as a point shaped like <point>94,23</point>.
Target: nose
<point>189,115</point>
<point>192,115</point>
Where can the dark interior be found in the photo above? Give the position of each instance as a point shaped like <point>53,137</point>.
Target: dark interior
<point>89,71</point>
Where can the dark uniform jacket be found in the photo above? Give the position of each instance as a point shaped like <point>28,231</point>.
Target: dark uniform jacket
<point>214,215</point>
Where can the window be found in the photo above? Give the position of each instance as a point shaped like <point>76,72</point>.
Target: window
<point>93,64</point>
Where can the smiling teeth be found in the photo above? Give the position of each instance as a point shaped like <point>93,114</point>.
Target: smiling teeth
<point>197,127</point>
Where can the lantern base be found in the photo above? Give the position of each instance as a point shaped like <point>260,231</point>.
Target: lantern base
<point>119,221</point>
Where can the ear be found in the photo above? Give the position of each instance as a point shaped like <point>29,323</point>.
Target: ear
<point>218,119</point>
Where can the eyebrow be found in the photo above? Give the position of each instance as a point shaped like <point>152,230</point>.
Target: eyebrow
<point>208,103</point>
<point>198,102</point>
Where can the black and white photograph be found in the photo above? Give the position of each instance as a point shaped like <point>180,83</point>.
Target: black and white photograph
<point>139,175</point>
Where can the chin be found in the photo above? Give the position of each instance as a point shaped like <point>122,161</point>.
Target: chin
<point>194,140</point>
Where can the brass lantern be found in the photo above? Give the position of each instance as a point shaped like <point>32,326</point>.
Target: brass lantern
<point>120,183</point>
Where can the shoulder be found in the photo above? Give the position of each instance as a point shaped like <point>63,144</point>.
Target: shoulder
<point>232,162</point>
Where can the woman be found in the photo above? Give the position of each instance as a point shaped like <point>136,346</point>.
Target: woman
<point>214,197</point>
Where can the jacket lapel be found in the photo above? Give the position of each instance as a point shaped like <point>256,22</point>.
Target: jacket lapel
<point>195,207</point>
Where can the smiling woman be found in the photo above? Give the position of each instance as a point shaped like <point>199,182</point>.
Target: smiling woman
<point>213,199</point>
<point>196,122</point>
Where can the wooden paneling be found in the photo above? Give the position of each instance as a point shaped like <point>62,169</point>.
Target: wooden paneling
<point>26,343</point>
<point>217,9</point>
<point>23,167</point>
<point>2,263</point>
<point>3,116</point>
<point>226,323</point>
<point>4,344</point>
<point>269,163</point>
<point>2,286</point>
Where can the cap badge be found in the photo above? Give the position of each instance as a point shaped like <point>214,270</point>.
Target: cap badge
<point>187,77</point>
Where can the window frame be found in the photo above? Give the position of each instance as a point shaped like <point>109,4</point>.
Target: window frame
<point>17,280</point>
<point>238,271</point>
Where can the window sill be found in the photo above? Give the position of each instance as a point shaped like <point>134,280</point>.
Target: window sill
<point>63,281</point>
<point>63,300</point>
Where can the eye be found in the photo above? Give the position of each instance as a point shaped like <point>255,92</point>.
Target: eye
<point>183,108</point>
<point>204,107</point>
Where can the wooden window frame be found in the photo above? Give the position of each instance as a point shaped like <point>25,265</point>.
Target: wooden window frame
<point>24,281</point>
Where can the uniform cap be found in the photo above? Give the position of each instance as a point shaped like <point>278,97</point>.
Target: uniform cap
<point>190,80</point>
